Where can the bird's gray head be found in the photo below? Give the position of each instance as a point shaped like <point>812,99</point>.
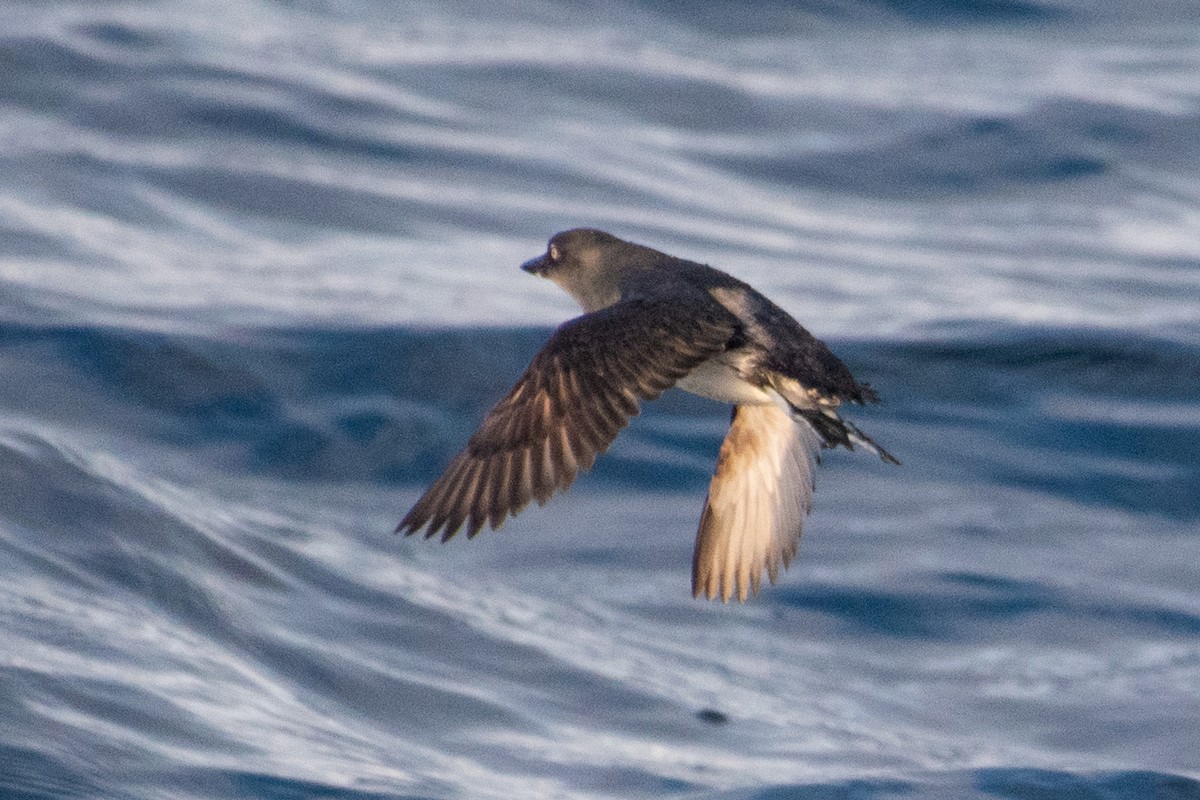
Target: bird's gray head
<point>584,263</point>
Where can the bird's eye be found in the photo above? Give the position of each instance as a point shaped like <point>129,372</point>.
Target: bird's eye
<point>553,253</point>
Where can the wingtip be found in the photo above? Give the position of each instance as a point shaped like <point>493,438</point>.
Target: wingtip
<point>427,528</point>
<point>408,526</point>
<point>708,589</point>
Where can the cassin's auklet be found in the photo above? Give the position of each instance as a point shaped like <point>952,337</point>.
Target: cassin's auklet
<point>653,321</point>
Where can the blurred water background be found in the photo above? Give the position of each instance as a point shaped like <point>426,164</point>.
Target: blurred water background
<point>258,283</point>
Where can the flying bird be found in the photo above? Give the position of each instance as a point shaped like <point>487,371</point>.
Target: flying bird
<point>652,321</point>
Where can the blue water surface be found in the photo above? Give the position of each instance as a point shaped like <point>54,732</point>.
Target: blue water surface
<point>258,284</point>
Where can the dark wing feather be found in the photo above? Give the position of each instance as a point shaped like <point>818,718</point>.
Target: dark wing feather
<point>580,390</point>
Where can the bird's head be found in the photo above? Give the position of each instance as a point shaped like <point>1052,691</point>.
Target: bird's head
<point>585,262</point>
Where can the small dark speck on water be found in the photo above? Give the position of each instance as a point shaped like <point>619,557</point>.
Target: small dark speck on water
<point>712,716</point>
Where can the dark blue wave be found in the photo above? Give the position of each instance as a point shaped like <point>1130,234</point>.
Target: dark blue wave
<point>1027,784</point>
<point>1107,417</point>
<point>954,606</point>
<point>768,16</point>
<point>1010,783</point>
<point>28,773</point>
<point>974,11</point>
<point>1050,145</point>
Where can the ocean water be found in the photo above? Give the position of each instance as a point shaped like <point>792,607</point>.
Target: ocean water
<point>258,283</point>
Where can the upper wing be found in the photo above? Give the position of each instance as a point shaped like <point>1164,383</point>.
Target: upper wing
<point>759,495</point>
<point>573,399</point>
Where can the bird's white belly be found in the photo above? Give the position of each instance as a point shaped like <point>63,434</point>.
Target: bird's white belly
<point>719,380</point>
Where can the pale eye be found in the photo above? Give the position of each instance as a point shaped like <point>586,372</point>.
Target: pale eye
<point>554,254</point>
